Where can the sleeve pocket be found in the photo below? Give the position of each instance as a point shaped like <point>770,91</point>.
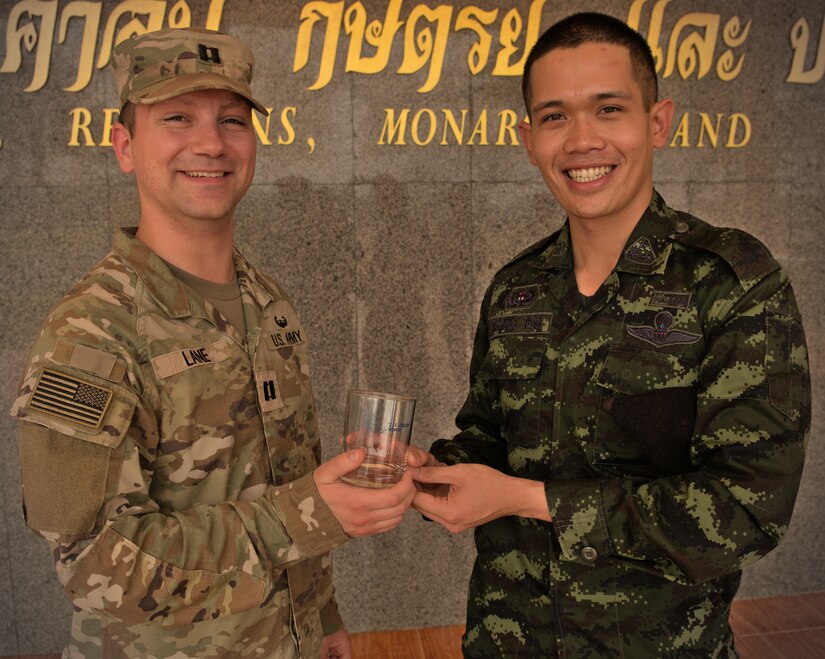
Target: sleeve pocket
<point>786,357</point>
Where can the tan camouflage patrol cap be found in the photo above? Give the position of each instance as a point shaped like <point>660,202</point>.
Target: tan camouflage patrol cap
<point>158,65</point>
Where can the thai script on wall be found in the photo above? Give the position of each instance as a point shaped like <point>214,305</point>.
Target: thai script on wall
<point>699,45</point>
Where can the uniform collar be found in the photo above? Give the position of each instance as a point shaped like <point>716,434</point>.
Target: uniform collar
<point>646,251</point>
<point>178,300</point>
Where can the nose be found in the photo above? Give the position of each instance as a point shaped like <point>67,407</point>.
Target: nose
<point>207,139</point>
<point>583,136</point>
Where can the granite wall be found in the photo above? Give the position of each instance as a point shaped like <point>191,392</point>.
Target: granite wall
<point>386,222</point>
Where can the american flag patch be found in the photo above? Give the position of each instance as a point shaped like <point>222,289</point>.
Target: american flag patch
<point>69,398</point>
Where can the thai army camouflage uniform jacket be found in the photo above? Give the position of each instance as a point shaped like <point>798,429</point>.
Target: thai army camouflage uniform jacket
<point>667,416</point>
<point>168,461</point>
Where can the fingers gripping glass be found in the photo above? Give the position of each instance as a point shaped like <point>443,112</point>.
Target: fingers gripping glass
<point>381,424</point>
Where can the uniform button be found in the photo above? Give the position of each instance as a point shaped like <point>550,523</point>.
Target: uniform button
<point>589,554</point>
<point>682,227</point>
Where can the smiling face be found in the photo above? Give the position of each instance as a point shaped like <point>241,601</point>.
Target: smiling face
<point>591,136</point>
<point>193,157</point>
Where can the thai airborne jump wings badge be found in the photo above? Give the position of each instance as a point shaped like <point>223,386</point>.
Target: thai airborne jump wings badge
<point>661,333</point>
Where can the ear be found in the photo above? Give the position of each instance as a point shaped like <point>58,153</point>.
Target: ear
<point>525,129</point>
<point>661,116</point>
<point>122,145</point>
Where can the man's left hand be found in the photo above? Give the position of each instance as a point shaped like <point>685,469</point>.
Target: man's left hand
<point>476,494</point>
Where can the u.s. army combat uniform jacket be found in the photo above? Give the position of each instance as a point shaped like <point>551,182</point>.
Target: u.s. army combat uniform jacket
<point>177,492</point>
<point>667,417</point>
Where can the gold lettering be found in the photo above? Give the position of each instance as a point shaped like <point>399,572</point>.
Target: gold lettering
<point>394,130</point>
<point>709,129</point>
<point>507,124</point>
<point>739,131</point>
<point>378,35</point>
<point>727,68</point>
<point>735,119</point>
<point>681,136</point>
<point>480,130</point>
<point>312,13</point>
<point>109,115</point>
<point>474,19</point>
<point>800,38</point>
<point>510,32</point>
<point>213,16</point>
<point>286,115</point>
<point>81,120</point>
<point>424,46</point>
<point>696,52</point>
<point>90,14</point>
<point>180,15</point>
<point>28,36</point>
<point>421,47</point>
<point>425,112</point>
<point>449,121</point>
<point>262,131</point>
<point>424,127</point>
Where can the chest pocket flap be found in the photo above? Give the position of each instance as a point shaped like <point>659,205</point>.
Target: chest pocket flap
<point>511,371</point>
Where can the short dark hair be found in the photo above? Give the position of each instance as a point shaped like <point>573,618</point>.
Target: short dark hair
<point>591,27</point>
<point>127,116</point>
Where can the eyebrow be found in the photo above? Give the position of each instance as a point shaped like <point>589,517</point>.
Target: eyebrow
<point>600,96</point>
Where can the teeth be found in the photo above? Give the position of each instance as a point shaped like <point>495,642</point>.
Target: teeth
<point>205,174</point>
<point>589,174</point>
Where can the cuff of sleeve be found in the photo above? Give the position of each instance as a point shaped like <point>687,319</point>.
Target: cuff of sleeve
<point>306,517</point>
<point>447,451</point>
<point>331,620</point>
<point>579,521</point>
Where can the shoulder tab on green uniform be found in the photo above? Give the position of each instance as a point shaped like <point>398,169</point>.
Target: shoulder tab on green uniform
<point>744,253</point>
<point>535,248</point>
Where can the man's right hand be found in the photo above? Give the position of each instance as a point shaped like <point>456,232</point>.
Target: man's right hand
<point>362,511</point>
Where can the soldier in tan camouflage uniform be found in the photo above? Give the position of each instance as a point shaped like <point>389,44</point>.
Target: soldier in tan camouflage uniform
<point>169,442</point>
<point>635,429</point>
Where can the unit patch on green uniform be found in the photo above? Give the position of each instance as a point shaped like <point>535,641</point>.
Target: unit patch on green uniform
<point>69,398</point>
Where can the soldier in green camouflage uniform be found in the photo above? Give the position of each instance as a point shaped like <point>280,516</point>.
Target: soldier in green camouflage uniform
<point>633,436</point>
<point>169,443</point>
